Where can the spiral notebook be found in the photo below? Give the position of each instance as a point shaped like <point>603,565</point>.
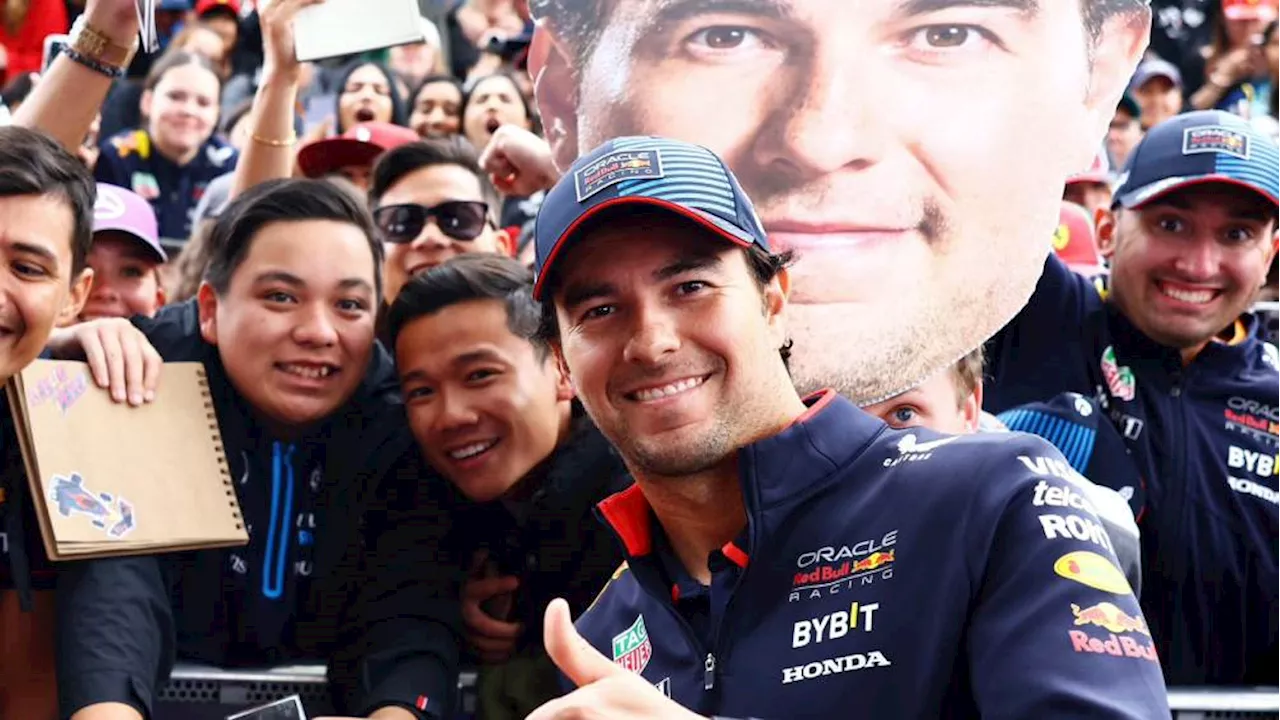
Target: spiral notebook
<point>110,479</point>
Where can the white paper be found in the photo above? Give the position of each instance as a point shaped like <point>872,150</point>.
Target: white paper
<point>345,27</point>
<point>289,708</point>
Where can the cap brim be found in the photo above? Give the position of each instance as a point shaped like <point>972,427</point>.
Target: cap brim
<point>1141,196</point>
<point>152,246</point>
<point>698,217</point>
<point>325,156</point>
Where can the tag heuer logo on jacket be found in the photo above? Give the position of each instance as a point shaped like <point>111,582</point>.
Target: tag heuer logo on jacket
<point>631,647</point>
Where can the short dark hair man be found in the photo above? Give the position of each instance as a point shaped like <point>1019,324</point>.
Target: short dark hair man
<point>313,427</point>
<point>786,553</point>
<point>494,414</point>
<point>1172,355</point>
<point>829,112</point>
<point>431,201</point>
<point>46,226</point>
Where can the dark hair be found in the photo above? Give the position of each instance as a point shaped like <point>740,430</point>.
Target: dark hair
<point>579,22</point>
<point>398,115</point>
<point>31,163</point>
<point>763,264</point>
<point>535,125</point>
<point>475,276</point>
<point>289,200</point>
<point>411,157</point>
<point>17,89</point>
<point>435,80</point>
<point>173,59</point>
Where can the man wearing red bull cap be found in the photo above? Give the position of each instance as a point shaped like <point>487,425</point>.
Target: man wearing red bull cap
<point>793,557</point>
<point>1175,360</point>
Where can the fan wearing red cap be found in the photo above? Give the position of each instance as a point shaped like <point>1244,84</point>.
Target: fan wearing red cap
<point>222,17</point>
<point>352,154</point>
<point>1075,242</point>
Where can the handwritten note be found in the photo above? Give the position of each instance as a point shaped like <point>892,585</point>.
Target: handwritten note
<point>61,387</point>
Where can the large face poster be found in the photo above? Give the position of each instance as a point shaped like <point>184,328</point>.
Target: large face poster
<point>912,152</point>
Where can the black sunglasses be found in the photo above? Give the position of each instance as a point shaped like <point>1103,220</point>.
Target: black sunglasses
<point>459,219</point>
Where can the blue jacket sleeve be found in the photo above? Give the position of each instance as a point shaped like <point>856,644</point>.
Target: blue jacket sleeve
<point>1039,353</point>
<point>1056,631</point>
<point>110,167</point>
<point>115,633</point>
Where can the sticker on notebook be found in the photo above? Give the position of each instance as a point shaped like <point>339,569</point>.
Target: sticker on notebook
<point>61,387</point>
<point>105,512</point>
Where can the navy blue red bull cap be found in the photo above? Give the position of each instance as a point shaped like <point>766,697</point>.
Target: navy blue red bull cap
<point>688,180</point>
<point>1208,146</point>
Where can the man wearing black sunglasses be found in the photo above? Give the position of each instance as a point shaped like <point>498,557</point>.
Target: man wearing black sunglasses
<point>431,202</point>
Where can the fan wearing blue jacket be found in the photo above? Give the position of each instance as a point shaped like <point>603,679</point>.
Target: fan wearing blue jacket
<point>792,557</point>
<point>1172,356</point>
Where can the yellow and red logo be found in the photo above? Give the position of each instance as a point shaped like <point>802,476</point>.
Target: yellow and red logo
<point>1092,570</point>
<point>1109,617</point>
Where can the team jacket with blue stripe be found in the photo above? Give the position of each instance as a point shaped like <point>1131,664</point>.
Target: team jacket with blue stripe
<point>1203,438</point>
<point>890,574</point>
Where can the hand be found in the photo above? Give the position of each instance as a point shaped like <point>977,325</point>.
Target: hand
<point>518,162</point>
<point>1235,66</point>
<point>280,55</point>
<point>492,640</point>
<point>117,19</point>
<point>605,689</point>
<point>119,356</point>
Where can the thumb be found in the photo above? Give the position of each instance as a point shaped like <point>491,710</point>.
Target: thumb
<point>570,652</point>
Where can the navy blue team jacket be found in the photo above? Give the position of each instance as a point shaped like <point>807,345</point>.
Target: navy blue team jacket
<point>130,160</point>
<point>1203,437</point>
<point>886,573</point>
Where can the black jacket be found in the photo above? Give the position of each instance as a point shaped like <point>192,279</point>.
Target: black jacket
<point>545,532</point>
<point>312,581</point>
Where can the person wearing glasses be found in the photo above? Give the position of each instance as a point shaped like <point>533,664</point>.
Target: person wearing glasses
<point>432,202</point>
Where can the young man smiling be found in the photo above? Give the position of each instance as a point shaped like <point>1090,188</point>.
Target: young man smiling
<point>785,553</point>
<point>1174,358</point>
<point>432,202</point>
<point>313,427</point>
<point>494,414</point>
<point>46,225</point>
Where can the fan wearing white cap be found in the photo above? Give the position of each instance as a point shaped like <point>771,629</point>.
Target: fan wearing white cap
<point>126,257</point>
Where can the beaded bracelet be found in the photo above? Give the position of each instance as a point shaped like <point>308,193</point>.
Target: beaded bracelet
<point>110,71</point>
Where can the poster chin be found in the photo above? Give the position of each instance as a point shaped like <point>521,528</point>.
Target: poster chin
<point>915,166</point>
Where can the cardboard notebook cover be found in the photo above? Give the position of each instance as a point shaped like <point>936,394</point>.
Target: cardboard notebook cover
<point>109,479</point>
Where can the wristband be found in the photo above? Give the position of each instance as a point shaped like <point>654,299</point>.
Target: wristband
<point>110,71</point>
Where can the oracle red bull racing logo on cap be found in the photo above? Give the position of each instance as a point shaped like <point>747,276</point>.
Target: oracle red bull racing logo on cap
<point>631,647</point>
<point>615,167</point>
<point>1215,140</point>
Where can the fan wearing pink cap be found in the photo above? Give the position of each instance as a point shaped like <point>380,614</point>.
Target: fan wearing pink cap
<point>125,256</point>
<point>353,153</point>
<point>1091,189</point>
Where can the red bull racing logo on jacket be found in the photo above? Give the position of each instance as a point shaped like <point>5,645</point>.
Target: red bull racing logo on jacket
<point>631,647</point>
<point>826,570</point>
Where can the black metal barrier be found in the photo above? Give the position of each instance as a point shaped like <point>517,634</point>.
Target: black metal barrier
<point>203,693</point>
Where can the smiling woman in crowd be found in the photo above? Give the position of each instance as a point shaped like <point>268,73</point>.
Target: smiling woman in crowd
<point>173,157</point>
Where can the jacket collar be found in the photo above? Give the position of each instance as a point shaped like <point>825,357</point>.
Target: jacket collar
<point>1240,345</point>
<point>779,470</point>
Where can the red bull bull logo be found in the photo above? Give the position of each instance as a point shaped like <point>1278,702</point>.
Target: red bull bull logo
<point>1109,617</point>
<point>829,573</point>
